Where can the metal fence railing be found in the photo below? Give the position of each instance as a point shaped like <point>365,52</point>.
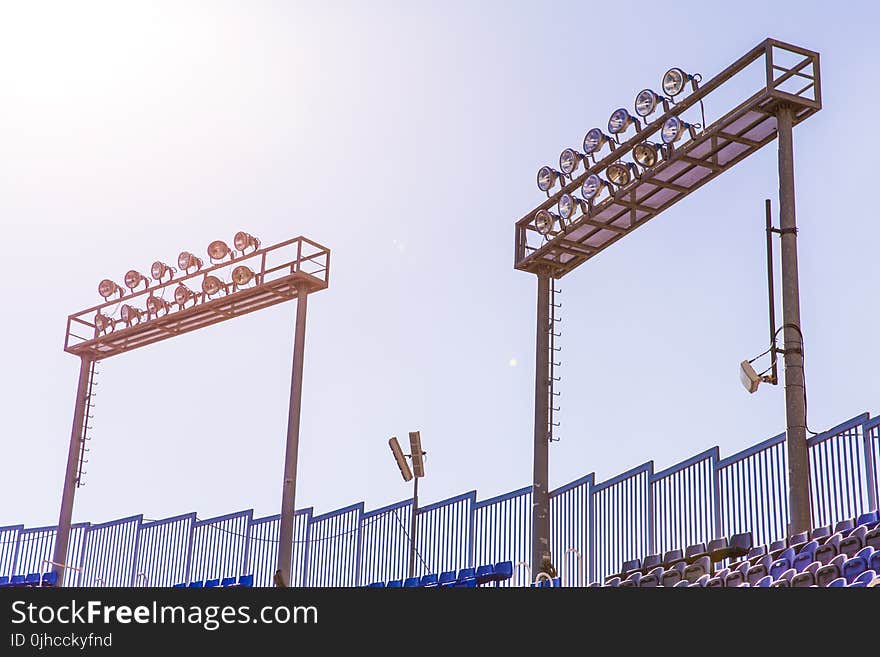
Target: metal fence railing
<point>595,526</point>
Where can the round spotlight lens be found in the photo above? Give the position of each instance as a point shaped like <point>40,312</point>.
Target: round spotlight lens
<point>211,285</point>
<point>646,154</point>
<point>646,102</point>
<point>129,314</point>
<point>544,222</point>
<point>546,178</point>
<point>568,160</point>
<point>184,260</point>
<point>618,174</point>
<point>155,305</point>
<point>107,288</point>
<point>593,141</point>
<point>103,323</point>
<point>619,121</point>
<point>671,131</point>
<point>218,249</point>
<point>242,275</point>
<point>182,294</point>
<point>243,240</point>
<point>591,186</point>
<point>566,206</point>
<point>673,81</point>
<point>157,270</point>
<point>132,279</point>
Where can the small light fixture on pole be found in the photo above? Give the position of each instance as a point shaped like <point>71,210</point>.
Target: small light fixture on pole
<point>418,471</point>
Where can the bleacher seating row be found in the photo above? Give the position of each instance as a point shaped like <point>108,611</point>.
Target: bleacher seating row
<point>849,556</point>
<point>243,580</point>
<point>32,580</point>
<point>465,578</point>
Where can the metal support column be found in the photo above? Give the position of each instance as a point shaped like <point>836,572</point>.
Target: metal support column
<point>412,528</point>
<point>540,478</point>
<point>62,538</point>
<point>795,394</point>
<point>288,495</point>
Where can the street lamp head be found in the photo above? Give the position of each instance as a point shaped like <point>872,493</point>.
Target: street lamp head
<point>416,454</point>
<point>405,472</point>
<point>748,377</point>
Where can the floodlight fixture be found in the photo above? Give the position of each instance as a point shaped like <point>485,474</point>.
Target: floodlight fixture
<point>620,120</point>
<point>569,160</point>
<point>647,101</point>
<point>592,187</point>
<point>218,250</point>
<point>243,241</point>
<point>568,205</point>
<point>108,288</point>
<point>183,295</point>
<point>595,140</point>
<point>130,315</point>
<point>648,154</point>
<point>547,177</point>
<point>134,278</point>
<point>416,454</point>
<point>675,79</point>
<point>159,270</point>
<point>157,306</point>
<point>104,324</point>
<point>674,128</point>
<point>544,220</point>
<point>405,472</point>
<point>750,378</point>
<point>212,285</point>
<point>242,275</point>
<point>187,261</point>
<point>621,173</point>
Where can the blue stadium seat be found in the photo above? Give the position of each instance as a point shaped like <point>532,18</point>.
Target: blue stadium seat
<point>844,527</point>
<point>466,584</point>
<point>868,520</point>
<point>755,554</point>
<point>429,580</point>
<point>212,583</point>
<point>828,550</point>
<point>627,568</point>
<point>503,571</point>
<point>447,578</point>
<point>673,557</point>
<point>852,568</point>
<point>776,548</point>
<point>872,538</point>
<point>227,581</point>
<point>797,541</point>
<point>246,580</point>
<point>196,585</point>
<point>180,585</point>
<point>805,556</point>
<point>412,582</point>
<point>555,582</point>
<point>854,542</point>
<point>738,546</point>
<point>376,585</point>
<point>784,579</point>
<point>820,534</point>
<point>694,552</point>
<point>715,583</point>
<point>866,577</point>
<point>17,580</point>
<point>874,563</point>
<point>764,582</point>
<point>395,584</point>
<point>4,580</point>
<point>485,573</point>
<point>681,584</point>
<point>465,576</point>
<point>836,583</point>
<point>50,578</point>
<point>701,581</point>
<point>807,576</point>
<point>32,579</point>
<point>737,575</point>
<point>759,570</point>
<point>632,580</point>
<point>781,563</point>
<point>830,571</point>
<point>613,582</point>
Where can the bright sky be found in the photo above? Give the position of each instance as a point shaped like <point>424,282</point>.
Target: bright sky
<point>404,136</point>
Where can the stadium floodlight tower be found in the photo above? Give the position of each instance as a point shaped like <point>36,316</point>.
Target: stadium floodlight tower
<point>197,296</point>
<point>673,157</point>
<point>418,471</point>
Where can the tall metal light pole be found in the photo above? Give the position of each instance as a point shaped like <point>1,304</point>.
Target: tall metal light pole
<point>795,395</point>
<point>261,277</point>
<point>418,471</point>
<point>541,448</point>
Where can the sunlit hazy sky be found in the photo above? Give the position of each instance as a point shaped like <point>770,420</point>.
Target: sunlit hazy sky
<point>405,136</point>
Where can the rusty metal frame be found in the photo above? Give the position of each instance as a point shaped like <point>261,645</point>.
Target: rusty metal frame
<point>282,267</point>
<point>717,148</point>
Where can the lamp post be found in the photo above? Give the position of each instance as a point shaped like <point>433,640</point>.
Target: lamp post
<point>418,471</point>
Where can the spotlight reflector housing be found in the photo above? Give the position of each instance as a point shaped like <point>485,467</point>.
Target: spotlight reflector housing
<point>108,288</point>
<point>569,160</point>
<point>416,454</point>
<point>186,261</point>
<point>568,206</point>
<point>544,220</point>
<point>647,154</point>
<point>130,315</point>
<point>243,241</point>
<point>405,472</point>
<point>674,80</point>
<point>242,275</point>
<point>621,173</point>
<point>595,140</point>
<point>134,278</point>
<point>647,101</point>
<point>592,186</point>
<point>104,324</point>
<point>547,177</point>
<point>620,120</point>
<point>218,249</point>
<point>748,377</point>
<point>159,269</point>
<point>157,305</point>
<point>211,285</point>
<point>673,129</point>
<point>182,294</point>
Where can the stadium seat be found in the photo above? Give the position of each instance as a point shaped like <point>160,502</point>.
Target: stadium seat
<point>872,538</point>
<point>681,584</point>
<point>828,550</point>
<point>485,573</point>
<point>702,566</point>
<point>844,527</point>
<point>429,580</point>
<point>715,583</point>
<point>395,584</point>
<point>447,579</point>
<point>17,580</point>
<point>627,568</point>
<point>738,546</point>
<point>412,582</point>
<point>633,579</point>
<point>503,570</point>
<point>613,581</point>
<point>701,581</point>
<point>672,576</point>
<point>32,579</point>
<point>49,579</point>
<point>829,572</point>
<point>180,585</point>
<point>759,570</point>
<point>854,542</point>
<point>230,581</point>
<point>212,583</point>
<point>755,554</point>
<point>651,562</point>
<point>776,548</point>
<point>866,577</point>
<point>628,584</point>
<point>4,580</point>
<point>376,585</point>
<point>820,534</point>
<point>652,579</point>
<point>874,562</point>
<point>807,577</point>
<point>797,541</point>
<point>781,563</point>
<point>835,583</point>
<point>868,520</point>
<point>465,577</point>
<point>246,580</point>
<point>764,582</point>
<point>196,585</point>
<point>694,552</point>
<point>852,568</point>
<point>673,557</point>
<point>805,556</point>
<point>737,575</point>
<point>555,582</point>
<point>784,578</point>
